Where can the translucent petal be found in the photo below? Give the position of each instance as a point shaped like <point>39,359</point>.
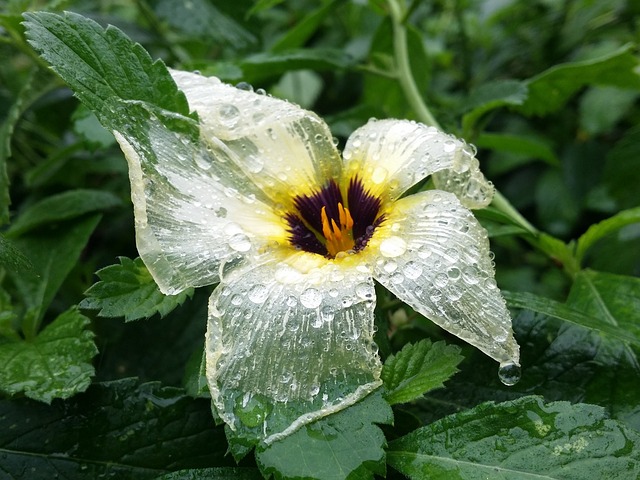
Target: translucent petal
<point>282,148</point>
<point>191,211</point>
<point>290,341</point>
<point>434,255</point>
<point>392,155</point>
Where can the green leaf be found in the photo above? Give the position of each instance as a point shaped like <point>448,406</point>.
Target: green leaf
<point>56,364</point>
<point>53,252</point>
<point>564,312</point>
<point>613,299</point>
<point>63,206</point>
<point>490,96</point>
<point>118,429</point>
<point>521,439</point>
<point>261,66</point>
<point>622,169</point>
<point>524,145</point>
<point>308,25</point>
<point>128,290</point>
<point>550,90</point>
<point>604,228</point>
<point>346,444</point>
<point>201,19</point>
<point>13,259</point>
<point>417,369</point>
<point>218,473</point>
<point>105,69</point>
<point>602,107</point>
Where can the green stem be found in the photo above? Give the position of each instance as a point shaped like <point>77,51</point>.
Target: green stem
<point>405,77</point>
<point>503,205</point>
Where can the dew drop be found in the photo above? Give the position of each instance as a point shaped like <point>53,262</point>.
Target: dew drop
<point>412,270</point>
<point>365,291</point>
<point>244,86</point>
<point>311,298</point>
<point>449,146</point>
<point>240,242</point>
<point>229,115</point>
<point>258,293</point>
<point>393,247</point>
<point>236,300</point>
<point>509,373</point>
<point>379,175</point>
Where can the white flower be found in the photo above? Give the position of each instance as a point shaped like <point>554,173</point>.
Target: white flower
<point>295,235</point>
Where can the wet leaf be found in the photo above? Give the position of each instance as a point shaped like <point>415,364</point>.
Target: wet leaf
<point>118,428</point>
<point>55,364</point>
<point>219,473</point>
<point>490,96</point>
<point>346,444</point>
<point>105,69</point>
<point>63,206</point>
<point>604,228</point>
<point>13,259</point>
<point>417,369</point>
<point>128,290</point>
<point>524,438</point>
<point>551,89</point>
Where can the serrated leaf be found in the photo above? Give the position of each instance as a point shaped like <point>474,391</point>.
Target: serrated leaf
<point>346,444</point>
<point>55,364</point>
<point>569,314</point>
<point>105,69</point>
<point>417,369</point>
<point>551,89</point>
<point>606,227</point>
<point>524,438</point>
<point>128,290</point>
<point>53,252</point>
<point>119,429</point>
<point>63,206</point>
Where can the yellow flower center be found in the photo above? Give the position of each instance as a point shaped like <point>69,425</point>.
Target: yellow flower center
<point>339,238</point>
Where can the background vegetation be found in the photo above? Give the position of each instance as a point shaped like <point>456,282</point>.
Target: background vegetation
<point>548,92</point>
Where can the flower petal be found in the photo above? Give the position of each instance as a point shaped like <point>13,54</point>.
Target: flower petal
<point>290,341</point>
<point>392,155</point>
<point>191,211</point>
<point>282,148</point>
<point>434,255</point>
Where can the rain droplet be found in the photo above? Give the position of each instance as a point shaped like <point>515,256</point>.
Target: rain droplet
<point>258,293</point>
<point>229,115</point>
<point>364,291</point>
<point>311,298</point>
<point>236,300</point>
<point>509,373</point>
<point>240,242</point>
<point>449,146</point>
<point>379,175</point>
<point>393,247</point>
<point>412,270</point>
<point>244,86</point>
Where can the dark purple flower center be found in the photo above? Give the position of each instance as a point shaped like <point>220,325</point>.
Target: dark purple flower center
<point>325,224</point>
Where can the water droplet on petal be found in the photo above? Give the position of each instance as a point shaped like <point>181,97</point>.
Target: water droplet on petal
<point>229,115</point>
<point>311,298</point>
<point>509,373</point>
<point>365,291</point>
<point>379,175</point>
<point>412,270</point>
<point>258,293</point>
<point>449,146</point>
<point>393,247</point>
<point>240,242</point>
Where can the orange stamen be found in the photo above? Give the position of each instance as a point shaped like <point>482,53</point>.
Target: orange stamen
<point>339,237</point>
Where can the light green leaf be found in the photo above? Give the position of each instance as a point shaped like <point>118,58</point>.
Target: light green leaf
<point>550,90</point>
<point>489,97</point>
<point>128,290</point>
<point>55,364</point>
<point>564,312</point>
<point>521,439</point>
<point>105,69</point>
<point>604,228</point>
<point>60,207</point>
<point>417,369</point>
<point>116,429</point>
<point>346,444</point>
